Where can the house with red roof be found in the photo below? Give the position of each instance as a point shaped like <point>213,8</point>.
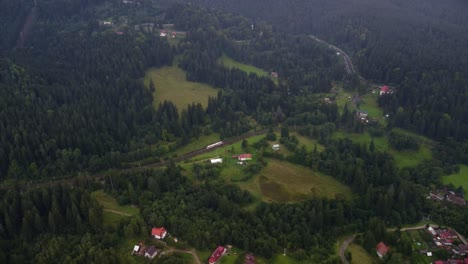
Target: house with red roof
<point>159,233</point>
<point>466,260</point>
<point>385,90</point>
<point>217,254</point>
<point>244,157</point>
<point>382,249</point>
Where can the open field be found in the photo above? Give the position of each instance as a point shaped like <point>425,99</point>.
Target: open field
<point>281,181</point>
<point>359,255</point>
<point>458,179</point>
<point>402,158</point>
<point>171,84</point>
<point>230,63</point>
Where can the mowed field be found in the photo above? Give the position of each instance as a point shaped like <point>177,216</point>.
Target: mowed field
<point>458,179</point>
<point>230,63</point>
<point>282,181</point>
<point>171,84</point>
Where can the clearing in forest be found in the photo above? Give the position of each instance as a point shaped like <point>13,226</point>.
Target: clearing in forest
<point>113,212</point>
<point>171,84</point>
<point>282,181</point>
<point>231,63</point>
<point>458,179</point>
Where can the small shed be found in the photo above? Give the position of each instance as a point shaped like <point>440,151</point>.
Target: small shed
<point>276,147</point>
<point>216,161</point>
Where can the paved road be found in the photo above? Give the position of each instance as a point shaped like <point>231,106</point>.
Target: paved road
<point>349,67</point>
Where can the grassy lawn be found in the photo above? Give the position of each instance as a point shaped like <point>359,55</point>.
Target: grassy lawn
<point>230,63</point>
<point>204,255</point>
<point>230,259</point>
<point>458,179</point>
<point>402,158</point>
<point>282,181</point>
<point>171,84</point>
<point>359,255</point>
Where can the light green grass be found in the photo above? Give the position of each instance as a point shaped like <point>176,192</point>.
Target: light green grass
<point>231,63</point>
<point>230,259</point>
<point>282,181</point>
<point>402,158</point>
<point>369,104</point>
<point>109,202</point>
<point>204,255</point>
<point>171,84</point>
<point>359,255</point>
<point>308,142</point>
<point>198,143</point>
<point>458,179</point>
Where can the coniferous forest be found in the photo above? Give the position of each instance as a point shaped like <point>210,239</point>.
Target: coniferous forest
<point>77,119</point>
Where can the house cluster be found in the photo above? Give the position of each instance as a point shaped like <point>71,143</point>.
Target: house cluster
<point>142,250</point>
<point>452,261</point>
<point>217,254</point>
<point>448,239</point>
<point>243,158</point>
<point>449,196</point>
<point>150,252</point>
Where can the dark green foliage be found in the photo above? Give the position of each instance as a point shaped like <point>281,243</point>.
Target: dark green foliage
<point>402,142</point>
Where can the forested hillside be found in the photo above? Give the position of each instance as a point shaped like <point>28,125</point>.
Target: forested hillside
<point>417,45</point>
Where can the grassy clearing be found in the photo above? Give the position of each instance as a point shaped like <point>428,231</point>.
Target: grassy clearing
<point>230,259</point>
<point>171,84</point>
<point>402,158</point>
<point>203,255</point>
<point>308,142</point>
<point>281,181</point>
<point>231,63</point>
<point>359,255</point>
<point>458,179</point>
<point>109,202</point>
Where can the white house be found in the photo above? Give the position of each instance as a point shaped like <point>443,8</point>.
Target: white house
<point>275,147</point>
<point>216,161</point>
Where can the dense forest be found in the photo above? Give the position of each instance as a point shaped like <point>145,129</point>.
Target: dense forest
<point>73,102</point>
<point>416,45</point>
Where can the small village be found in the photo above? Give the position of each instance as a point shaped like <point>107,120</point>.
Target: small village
<point>436,239</point>
<point>452,197</point>
<point>160,234</point>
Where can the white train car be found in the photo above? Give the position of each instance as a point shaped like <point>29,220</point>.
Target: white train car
<point>215,145</point>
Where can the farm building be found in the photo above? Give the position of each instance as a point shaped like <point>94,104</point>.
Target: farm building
<point>217,254</point>
<point>151,252</point>
<point>385,90</point>
<point>216,161</point>
<point>382,249</point>
<point>244,157</point>
<point>159,233</point>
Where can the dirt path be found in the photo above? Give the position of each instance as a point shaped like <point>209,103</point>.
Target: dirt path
<point>343,247</point>
<point>116,212</point>
<point>191,252</point>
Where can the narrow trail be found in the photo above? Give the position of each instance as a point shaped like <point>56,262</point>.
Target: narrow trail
<point>116,212</point>
<point>191,252</point>
<point>343,247</point>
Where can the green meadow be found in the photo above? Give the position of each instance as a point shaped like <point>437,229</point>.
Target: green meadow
<point>171,84</point>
